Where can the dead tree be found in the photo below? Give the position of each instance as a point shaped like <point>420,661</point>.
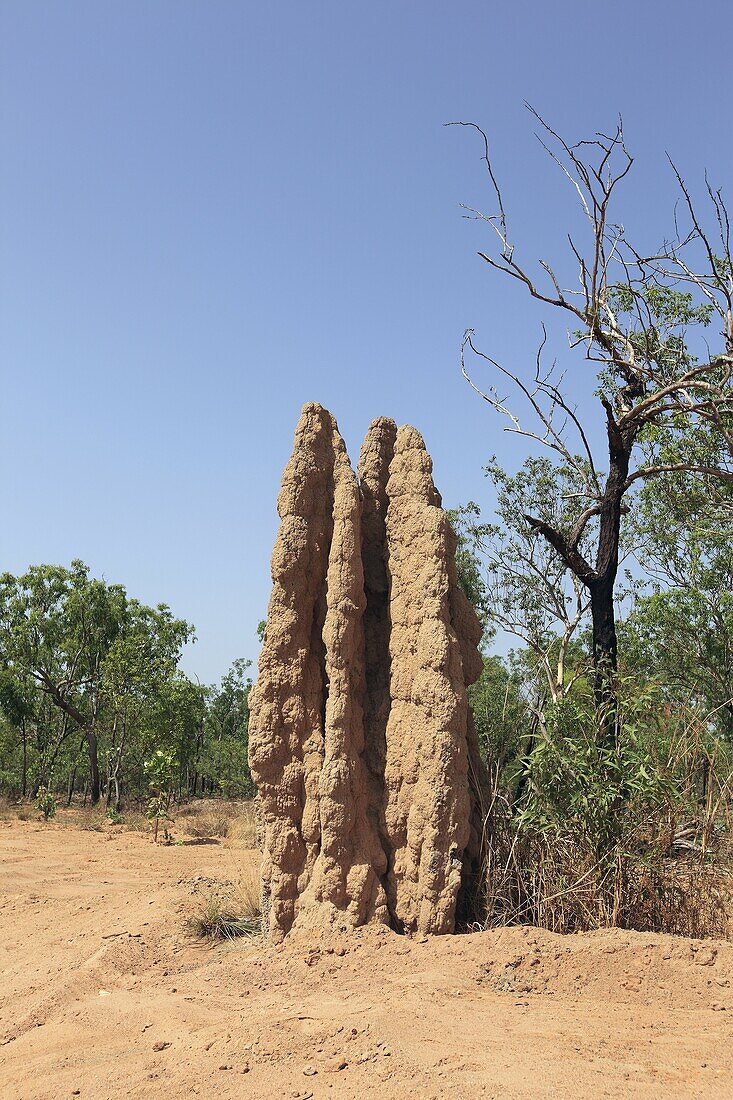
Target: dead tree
<point>631,313</point>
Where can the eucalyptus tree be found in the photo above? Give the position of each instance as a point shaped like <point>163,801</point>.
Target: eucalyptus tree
<point>98,659</point>
<point>56,627</point>
<point>635,319</point>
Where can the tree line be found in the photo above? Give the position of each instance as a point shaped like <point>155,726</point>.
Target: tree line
<point>91,690</point>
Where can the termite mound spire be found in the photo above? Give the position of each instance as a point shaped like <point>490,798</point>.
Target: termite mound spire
<point>361,742</point>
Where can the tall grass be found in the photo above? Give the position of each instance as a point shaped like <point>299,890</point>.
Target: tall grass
<point>216,819</point>
<point>581,837</point>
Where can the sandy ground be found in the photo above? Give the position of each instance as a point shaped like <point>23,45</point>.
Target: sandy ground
<point>104,994</point>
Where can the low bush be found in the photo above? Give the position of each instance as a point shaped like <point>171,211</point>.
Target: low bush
<point>634,836</point>
<point>45,803</point>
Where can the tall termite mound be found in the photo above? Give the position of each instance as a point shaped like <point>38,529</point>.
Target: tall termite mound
<point>361,740</point>
<point>322,857</point>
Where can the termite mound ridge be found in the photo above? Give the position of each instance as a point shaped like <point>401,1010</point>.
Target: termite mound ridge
<point>361,743</point>
<point>322,860</point>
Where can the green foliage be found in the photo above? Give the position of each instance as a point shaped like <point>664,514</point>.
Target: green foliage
<point>89,680</point>
<point>45,803</point>
<point>226,730</point>
<point>14,701</point>
<point>57,625</point>
<point>681,623</point>
<point>581,789</point>
<point>468,562</point>
<point>590,837</point>
<point>159,772</point>
<point>521,584</point>
<point>531,591</point>
<point>657,320</point>
<point>500,712</point>
<point>584,834</point>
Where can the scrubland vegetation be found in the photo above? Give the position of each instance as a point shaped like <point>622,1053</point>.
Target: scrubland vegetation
<point>95,706</point>
<point>605,584</point>
<point>610,566</point>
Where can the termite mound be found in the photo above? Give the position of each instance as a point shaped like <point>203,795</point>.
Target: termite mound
<point>361,740</point>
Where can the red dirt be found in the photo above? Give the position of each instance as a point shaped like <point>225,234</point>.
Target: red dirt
<point>104,994</point>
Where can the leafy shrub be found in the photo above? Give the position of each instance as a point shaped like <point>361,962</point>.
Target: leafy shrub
<point>625,836</point>
<point>45,803</point>
<point>159,774</point>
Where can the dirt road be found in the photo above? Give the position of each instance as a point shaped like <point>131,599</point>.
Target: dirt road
<point>104,994</point>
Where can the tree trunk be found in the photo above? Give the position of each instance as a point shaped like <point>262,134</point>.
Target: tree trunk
<point>72,784</point>
<point>86,725</point>
<point>605,658</point>
<point>25,761</point>
<point>601,586</point>
<point>94,786</point>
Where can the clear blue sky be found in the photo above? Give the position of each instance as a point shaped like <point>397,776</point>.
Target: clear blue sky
<point>213,211</point>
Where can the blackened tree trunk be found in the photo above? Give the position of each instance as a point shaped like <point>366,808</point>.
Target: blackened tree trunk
<point>602,583</point>
<point>600,578</point>
<point>605,658</point>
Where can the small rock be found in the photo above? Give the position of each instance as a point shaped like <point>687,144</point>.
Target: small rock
<point>310,1071</point>
<point>160,1045</point>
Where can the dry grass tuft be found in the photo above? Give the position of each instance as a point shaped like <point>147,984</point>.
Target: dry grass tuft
<point>213,824</point>
<point>212,818</point>
<point>225,918</point>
